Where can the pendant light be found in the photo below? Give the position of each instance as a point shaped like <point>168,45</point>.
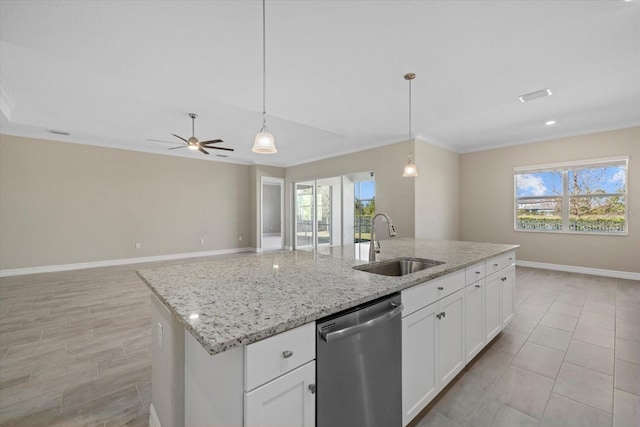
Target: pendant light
<point>410,169</point>
<point>264,143</point>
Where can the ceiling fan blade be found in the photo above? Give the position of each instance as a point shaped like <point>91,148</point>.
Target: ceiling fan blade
<point>174,148</point>
<point>213,141</point>
<point>221,148</point>
<point>180,138</point>
<point>203,150</point>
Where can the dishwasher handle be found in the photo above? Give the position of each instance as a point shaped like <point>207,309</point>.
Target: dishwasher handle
<point>355,329</point>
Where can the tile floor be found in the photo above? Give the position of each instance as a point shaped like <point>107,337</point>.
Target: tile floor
<point>75,351</point>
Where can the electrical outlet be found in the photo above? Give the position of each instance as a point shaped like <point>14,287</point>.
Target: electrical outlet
<point>202,240</point>
<point>160,335</point>
<point>240,238</point>
<point>138,245</point>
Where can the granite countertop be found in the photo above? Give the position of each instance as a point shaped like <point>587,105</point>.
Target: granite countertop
<point>246,298</point>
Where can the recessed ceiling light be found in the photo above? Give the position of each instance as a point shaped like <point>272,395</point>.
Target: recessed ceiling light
<point>535,95</point>
<point>550,122</point>
<point>59,132</point>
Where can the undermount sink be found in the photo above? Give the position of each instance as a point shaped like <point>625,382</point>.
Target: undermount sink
<point>398,266</point>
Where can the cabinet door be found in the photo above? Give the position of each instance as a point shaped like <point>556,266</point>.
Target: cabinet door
<point>418,361</point>
<point>492,306</point>
<point>474,312</point>
<point>287,401</point>
<point>450,336</point>
<point>508,280</point>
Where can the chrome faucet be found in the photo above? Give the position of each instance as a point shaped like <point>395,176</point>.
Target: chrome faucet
<point>373,250</point>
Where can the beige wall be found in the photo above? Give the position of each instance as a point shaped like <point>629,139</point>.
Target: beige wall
<point>426,206</point>
<point>437,193</point>
<point>394,194</point>
<point>68,203</point>
<point>487,204</point>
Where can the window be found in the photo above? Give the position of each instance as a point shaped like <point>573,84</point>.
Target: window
<point>576,197</point>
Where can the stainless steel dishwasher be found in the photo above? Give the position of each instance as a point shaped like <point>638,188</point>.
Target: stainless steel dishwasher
<point>358,366</point>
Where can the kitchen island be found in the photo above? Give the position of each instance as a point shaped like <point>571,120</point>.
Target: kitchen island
<point>226,305</point>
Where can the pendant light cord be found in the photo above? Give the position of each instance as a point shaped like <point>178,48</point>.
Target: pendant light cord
<point>264,69</point>
<point>410,151</point>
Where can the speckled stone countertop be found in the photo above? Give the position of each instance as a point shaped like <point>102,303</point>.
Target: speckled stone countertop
<point>246,298</point>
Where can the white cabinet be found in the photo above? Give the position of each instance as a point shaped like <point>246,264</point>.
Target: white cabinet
<point>268,359</point>
<point>450,337</point>
<point>268,383</point>
<point>287,401</point>
<point>418,361</point>
<point>499,294</point>
<point>279,377</point>
<point>432,340</point>
<point>492,306</point>
<point>474,310</point>
<point>447,322</point>
<point>474,319</point>
<point>508,279</point>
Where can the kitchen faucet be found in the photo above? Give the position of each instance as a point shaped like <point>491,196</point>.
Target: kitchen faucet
<point>372,244</point>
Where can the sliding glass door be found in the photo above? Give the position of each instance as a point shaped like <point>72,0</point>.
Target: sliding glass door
<point>305,214</point>
<point>318,213</point>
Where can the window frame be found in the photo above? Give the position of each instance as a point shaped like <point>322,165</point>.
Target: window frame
<point>566,197</point>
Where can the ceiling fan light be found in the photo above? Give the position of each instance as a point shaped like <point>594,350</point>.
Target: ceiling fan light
<point>410,170</point>
<point>264,144</point>
<point>193,146</point>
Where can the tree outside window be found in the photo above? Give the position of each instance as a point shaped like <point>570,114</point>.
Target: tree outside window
<point>585,198</point>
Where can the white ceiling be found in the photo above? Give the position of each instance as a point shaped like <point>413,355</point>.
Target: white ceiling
<point>116,73</point>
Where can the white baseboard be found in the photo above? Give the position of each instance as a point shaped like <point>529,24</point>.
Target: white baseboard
<point>153,417</point>
<point>112,262</point>
<point>583,270</point>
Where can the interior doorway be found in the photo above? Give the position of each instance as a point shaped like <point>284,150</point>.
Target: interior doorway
<point>272,207</point>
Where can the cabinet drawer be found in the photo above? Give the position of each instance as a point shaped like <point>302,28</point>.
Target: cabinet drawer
<point>498,263</point>
<point>279,354</point>
<point>475,273</point>
<point>429,292</point>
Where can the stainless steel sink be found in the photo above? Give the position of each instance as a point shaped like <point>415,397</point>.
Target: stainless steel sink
<point>398,266</point>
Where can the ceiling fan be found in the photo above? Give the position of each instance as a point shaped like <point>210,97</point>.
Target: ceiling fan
<point>193,143</point>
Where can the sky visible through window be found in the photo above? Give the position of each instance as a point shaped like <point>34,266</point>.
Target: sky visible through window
<point>549,183</point>
<point>366,189</point>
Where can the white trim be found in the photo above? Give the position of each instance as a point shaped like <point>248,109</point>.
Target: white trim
<point>605,161</point>
<point>153,417</point>
<point>112,262</point>
<point>630,275</point>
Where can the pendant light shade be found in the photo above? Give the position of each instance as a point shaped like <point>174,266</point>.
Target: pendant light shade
<point>264,143</point>
<point>410,169</point>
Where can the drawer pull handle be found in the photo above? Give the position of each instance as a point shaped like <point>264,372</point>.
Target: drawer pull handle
<point>440,288</point>
<point>477,272</point>
<point>495,265</point>
<point>477,286</point>
<point>312,388</point>
<point>287,354</point>
<point>503,278</point>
